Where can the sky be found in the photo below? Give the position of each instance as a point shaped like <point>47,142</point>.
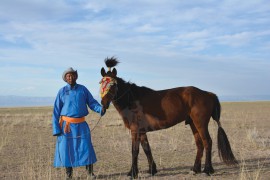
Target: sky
<point>222,46</point>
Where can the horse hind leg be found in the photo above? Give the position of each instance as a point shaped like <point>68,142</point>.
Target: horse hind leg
<point>148,153</point>
<point>202,127</point>
<point>207,141</point>
<point>199,143</point>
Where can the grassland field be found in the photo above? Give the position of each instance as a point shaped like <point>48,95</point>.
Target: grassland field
<point>27,145</point>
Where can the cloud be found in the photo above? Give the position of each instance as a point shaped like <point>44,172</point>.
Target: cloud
<point>147,28</point>
<point>184,40</point>
<point>31,10</point>
<point>235,40</point>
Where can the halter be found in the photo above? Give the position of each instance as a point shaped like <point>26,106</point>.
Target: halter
<point>105,85</point>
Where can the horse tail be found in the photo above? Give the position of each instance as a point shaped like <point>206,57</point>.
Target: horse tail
<point>217,109</point>
<point>224,148</point>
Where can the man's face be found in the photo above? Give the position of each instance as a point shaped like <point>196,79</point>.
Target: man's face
<point>71,78</point>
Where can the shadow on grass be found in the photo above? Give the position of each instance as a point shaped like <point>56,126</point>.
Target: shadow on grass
<point>250,165</point>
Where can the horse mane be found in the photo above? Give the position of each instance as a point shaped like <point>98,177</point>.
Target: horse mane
<point>137,91</point>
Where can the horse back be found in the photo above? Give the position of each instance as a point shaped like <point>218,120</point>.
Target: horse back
<point>181,102</point>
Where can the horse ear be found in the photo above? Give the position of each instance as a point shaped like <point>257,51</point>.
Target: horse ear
<point>103,72</point>
<point>114,72</point>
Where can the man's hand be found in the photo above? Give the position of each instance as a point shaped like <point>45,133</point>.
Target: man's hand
<point>103,111</point>
<point>59,134</point>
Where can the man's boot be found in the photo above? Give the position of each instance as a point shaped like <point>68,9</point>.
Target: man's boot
<point>69,171</point>
<point>90,171</point>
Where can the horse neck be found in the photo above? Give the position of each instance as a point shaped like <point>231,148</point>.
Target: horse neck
<point>124,96</point>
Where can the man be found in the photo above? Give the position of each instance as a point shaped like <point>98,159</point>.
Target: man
<point>73,146</point>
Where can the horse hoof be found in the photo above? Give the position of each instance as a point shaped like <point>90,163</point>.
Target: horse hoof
<point>195,171</point>
<point>205,174</point>
<point>132,175</point>
<point>208,171</point>
<point>152,172</point>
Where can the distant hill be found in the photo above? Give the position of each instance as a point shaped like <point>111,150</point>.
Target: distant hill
<point>245,98</point>
<point>25,101</point>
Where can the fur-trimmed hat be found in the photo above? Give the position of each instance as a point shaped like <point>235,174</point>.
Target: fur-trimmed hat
<point>69,70</point>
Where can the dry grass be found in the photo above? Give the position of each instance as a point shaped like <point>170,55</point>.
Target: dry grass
<point>27,146</point>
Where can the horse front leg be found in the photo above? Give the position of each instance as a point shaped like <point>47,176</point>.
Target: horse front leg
<point>135,151</point>
<point>148,153</point>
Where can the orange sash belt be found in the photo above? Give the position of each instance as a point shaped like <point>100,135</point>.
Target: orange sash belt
<point>68,121</point>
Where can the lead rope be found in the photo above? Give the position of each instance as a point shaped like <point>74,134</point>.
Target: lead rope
<point>95,125</point>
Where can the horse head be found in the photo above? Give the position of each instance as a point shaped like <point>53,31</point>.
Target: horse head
<point>108,83</point>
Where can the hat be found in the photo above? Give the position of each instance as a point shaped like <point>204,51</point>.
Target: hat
<point>69,70</point>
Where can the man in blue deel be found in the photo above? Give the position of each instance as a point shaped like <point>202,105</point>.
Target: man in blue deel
<point>73,145</point>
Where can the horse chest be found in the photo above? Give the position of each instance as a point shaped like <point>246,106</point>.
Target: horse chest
<point>134,116</point>
<point>136,119</point>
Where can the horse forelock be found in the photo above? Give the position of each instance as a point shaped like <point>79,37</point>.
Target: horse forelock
<point>111,62</point>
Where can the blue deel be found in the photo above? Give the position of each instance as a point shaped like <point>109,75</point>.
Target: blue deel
<point>74,148</point>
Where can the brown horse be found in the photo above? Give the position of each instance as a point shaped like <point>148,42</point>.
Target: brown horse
<point>144,110</point>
